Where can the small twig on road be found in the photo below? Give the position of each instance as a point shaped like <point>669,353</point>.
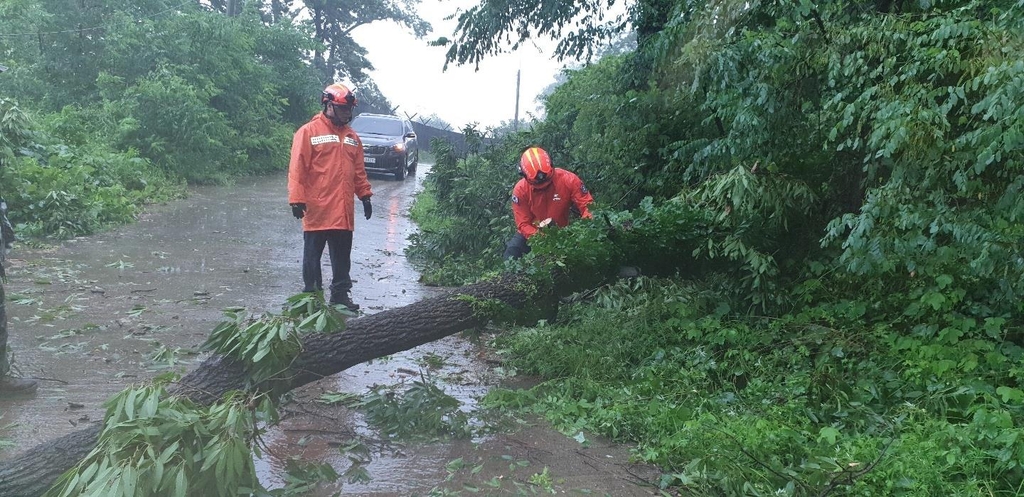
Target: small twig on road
<point>601,468</point>
<point>51,379</point>
<point>318,431</point>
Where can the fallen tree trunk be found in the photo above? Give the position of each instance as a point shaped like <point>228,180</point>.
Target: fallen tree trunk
<point>32,472</point>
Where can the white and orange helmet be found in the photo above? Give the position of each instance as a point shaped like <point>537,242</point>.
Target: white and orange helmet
<point>338,94</point>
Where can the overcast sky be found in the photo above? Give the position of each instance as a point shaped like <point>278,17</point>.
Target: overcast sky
<point>409,72</point>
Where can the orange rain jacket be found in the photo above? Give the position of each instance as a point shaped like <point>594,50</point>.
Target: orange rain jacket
<point>532,204</point>
<point>325,172</point>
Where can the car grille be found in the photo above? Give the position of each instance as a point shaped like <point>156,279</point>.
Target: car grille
<point>374,149</point>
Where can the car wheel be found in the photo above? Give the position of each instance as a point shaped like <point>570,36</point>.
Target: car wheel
<point>400,172</point>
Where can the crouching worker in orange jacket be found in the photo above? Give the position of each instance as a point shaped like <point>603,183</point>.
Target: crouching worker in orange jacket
<point>325,172</point>
<point>542,197</point>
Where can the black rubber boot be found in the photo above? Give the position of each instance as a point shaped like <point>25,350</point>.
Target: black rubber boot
<point>17,386</point>
<point>345,300</point>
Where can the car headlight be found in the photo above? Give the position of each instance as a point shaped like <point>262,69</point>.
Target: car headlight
<point>398,147</point>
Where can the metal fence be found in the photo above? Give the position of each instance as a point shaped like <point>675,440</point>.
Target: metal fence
<point>426,134</point>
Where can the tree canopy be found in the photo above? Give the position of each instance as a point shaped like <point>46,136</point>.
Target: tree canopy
<point>493,27</point>
<point>333,21</point>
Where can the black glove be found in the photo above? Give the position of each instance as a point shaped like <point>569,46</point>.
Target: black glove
<point>298,210</point>
<point>367,207</point>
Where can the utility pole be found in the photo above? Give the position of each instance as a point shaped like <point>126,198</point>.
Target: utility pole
<point>515,120</point>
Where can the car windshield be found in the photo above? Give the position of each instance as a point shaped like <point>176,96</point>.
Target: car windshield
<point>374,126</point>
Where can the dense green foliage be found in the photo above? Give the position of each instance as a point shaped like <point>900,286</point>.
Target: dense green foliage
<point>831,196</point>
<point>803,402</point>
<point>198,94</point>
<point>130,100</point>
<point>462,214</point>
<point>60,191</point>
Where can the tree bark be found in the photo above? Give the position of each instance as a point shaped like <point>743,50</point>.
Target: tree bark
<point>32,472</point>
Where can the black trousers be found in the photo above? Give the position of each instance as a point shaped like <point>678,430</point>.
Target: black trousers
<point>517,247</point>
<point>339,246</point>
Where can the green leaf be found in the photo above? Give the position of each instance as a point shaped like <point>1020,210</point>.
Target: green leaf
<point>455,465</point>
<point>180,485</point>
<point>828,434</point>
<point>1010,394</point>
<point>934,299</point>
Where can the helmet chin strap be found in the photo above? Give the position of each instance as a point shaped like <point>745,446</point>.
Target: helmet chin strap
<point>337,121</point>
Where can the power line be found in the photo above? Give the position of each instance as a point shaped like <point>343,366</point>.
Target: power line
<point>105,26</point>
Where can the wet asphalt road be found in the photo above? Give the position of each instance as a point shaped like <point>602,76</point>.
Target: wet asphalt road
<point>86,316</point>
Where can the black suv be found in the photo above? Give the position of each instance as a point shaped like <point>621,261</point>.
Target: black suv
<point>389,144</point>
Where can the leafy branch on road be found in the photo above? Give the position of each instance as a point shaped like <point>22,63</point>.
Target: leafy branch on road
<point>269,343</point>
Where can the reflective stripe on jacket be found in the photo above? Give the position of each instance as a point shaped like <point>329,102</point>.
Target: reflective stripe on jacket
<point>326,173</point>
<point>532,204</point>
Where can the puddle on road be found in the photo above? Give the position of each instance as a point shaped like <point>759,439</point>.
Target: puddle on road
<point>315,432</point>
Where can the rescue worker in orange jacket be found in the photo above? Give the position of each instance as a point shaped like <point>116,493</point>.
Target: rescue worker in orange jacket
<point>324,175</point>
<point>542,197</point>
